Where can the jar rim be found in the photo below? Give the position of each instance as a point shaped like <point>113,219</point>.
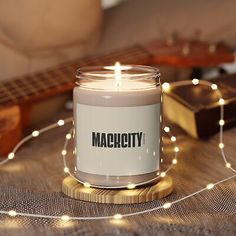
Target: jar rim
<point>92,77</point>
<point>130,71</point>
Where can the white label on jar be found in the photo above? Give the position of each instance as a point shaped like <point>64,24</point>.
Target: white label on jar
<point>117,141</point>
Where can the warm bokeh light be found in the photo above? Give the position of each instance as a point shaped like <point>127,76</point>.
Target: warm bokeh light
<point>195,81</point>
<point>61,122</point>
<point>35,133</point>
<point>166,87</point>
<point>117,216</point>
<point>11,155</point>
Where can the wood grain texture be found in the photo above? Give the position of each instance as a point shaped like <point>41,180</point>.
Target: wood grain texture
<point>10,128</point>
<point>76,190</point>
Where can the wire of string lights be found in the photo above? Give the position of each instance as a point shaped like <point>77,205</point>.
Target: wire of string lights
<point>166,87</point>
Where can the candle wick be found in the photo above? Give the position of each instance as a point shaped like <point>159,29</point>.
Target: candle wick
<point>117,75</point>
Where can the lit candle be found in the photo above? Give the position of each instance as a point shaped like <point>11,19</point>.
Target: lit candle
<point>117,113</point>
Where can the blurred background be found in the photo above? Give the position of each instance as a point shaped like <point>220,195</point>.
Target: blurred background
<point>35,35</point>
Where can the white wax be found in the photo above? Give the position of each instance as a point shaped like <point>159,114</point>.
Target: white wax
<point>128,93</point>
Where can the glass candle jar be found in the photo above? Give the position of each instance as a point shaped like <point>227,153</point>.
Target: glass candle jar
<point>117,117</point>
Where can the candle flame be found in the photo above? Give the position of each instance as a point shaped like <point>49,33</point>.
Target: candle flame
<point>117,71</point>
<point>117,68</point>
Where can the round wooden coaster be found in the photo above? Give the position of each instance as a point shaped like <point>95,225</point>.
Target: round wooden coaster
<point>76,190</point>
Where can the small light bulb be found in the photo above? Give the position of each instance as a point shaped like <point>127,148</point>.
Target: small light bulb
<point>221,122</point>
<point>221,101</point>
<point>68,136</point>
<point>66,169</point>
<point>167,129</point>
<point>210,186</point>
<point>173,138</point>
<point>195,81</point>
<point>131,186</point>
<point>214,86</point>
<point>12,213</point>
<point>221,145</point>
<point>87,185</point>
<point>174,161</point>
<point>117,216</point>
<point>228,165</point>
<point>65,218</point>
<point>167,205</point>
<point>35,133</point>
<point>63,152</point>
<point>176,149</point>
<point>166,87</point>
<point>163,174</point>
<point>61,122</point>
<point>11,155</point>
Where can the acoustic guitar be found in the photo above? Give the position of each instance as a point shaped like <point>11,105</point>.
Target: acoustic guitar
<point>18,95</point>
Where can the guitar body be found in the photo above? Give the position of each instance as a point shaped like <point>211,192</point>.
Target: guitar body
<point>10,128</point>
<point>20,96</point>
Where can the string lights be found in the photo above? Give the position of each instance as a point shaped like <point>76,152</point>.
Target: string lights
<point>166,88</point>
